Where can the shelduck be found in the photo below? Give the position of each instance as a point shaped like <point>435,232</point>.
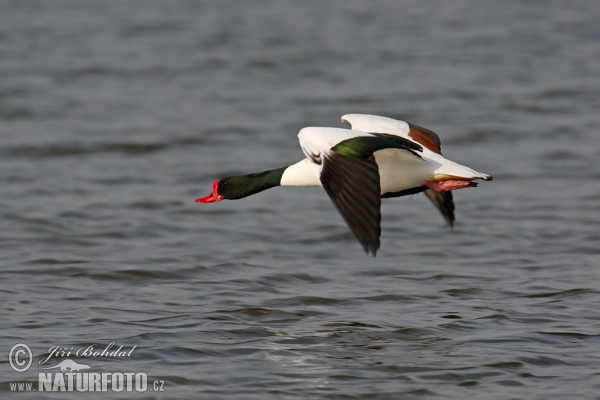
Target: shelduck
<point>378,157</point>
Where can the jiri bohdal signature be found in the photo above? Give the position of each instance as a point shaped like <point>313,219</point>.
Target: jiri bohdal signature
<point>89,351</point>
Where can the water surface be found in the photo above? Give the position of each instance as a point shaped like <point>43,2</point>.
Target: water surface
<point>114,116</point>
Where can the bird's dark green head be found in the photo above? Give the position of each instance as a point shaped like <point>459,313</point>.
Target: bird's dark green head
<point>237,187</point>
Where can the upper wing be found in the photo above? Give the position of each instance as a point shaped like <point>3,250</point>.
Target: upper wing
<point>377,124</point>
<point>345,164</point>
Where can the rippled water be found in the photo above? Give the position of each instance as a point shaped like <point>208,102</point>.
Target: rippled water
<point>114,116</point>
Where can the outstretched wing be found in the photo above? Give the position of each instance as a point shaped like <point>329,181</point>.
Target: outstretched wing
<point>346,167</point>
<point>353,186</point>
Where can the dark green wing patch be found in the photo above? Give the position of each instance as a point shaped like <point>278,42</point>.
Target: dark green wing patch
<point>409,144</point>
<point>364,146</point>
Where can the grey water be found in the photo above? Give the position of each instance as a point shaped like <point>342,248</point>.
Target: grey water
<point>116,115</point>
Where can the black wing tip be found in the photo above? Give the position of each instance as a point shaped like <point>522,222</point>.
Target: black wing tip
<point>370,248</point>
<point>445,204</point>
<point>450,221</point>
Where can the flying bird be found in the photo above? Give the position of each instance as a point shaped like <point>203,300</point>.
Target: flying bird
<point>378,157</point>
